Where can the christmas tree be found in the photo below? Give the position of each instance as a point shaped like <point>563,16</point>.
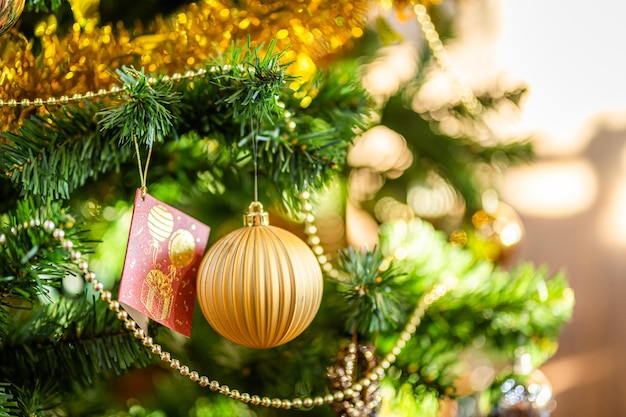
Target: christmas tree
<point>203,110</point>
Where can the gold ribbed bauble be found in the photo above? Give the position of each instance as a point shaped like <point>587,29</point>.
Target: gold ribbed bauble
<point>259,286</point>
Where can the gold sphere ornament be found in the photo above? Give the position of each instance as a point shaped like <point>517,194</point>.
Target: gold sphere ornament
<point>259,286</point>
<point>10,11</point>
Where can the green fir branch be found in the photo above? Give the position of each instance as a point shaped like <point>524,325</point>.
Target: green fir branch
<point>240,96</point>
<point>43,6</point>
<point>38,398</point>
<point>458,156</point>
<point>8,405</point>
<point>50,156</point>
<point>455,159</point>
<point>316,138</point>
<point>32,259</point>
<point>490,101</point>
<point>250,86</point>
<point>372,291</point>
<point>521,308</point>
<point>143,112</point>
<point>76,340</point>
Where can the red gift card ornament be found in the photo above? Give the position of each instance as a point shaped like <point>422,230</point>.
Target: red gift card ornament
<point>165,247</point>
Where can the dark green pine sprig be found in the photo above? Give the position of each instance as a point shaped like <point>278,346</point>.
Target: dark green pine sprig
<point>52,155</point>
<point>77,341</point>
<point>250,86</point>
<point>8,405</point>
<point>143,112</point>
<point>43,6</point>
<point>32,260</point>
<point>372,289</point>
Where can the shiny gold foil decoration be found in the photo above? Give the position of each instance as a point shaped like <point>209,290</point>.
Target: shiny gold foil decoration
<point>259,286</point>
<point>85,58</point>
<point>85,11</point>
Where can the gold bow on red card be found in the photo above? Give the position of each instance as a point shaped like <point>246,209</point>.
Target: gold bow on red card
<point>165,247</point>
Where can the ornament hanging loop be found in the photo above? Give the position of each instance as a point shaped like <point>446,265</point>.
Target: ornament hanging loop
<point>256,216</point>
<point>143,171</point>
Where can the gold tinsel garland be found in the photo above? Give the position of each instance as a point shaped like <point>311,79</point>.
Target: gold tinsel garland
<point>84,59</point>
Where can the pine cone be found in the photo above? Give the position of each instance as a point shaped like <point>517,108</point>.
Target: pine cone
<point>351,364</point>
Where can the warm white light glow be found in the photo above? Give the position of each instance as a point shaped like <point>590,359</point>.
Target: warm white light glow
<point>381,149</point>
<point>396,65</point>
<point>552,189</point>
<point>613,228</point>
<point>433,198</point>
<point>511,234</point>
<point>380,80</point>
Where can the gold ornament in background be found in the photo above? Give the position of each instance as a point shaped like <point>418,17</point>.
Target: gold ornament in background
<point>85,58</point>
<point>10,12</point>
<point>497,231</point>
<point>259,286</point>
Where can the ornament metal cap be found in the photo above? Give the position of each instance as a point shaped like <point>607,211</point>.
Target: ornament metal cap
<point>255,216</point>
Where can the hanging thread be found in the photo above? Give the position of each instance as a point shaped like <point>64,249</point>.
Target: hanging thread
<point>143,171</point>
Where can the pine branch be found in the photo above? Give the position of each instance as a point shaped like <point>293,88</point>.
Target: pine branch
<point>456,154</point>
<point>250,86</point>
<point>324,117</point>
<point>144,112</point>
<point>299,147</point>
<point>37,398</point>
<point>524,307</point>
<point>455,159</point>
<point>50,156</point>
<point>8,405</point>
<point>32,259</point>
<point>43,6</point>
<point>375,299</point>
<point>76,340</point>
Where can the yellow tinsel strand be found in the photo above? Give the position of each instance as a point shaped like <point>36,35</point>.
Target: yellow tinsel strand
<point>85,58</point>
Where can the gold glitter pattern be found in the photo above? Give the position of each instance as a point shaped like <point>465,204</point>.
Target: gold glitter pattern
<point>84,59</point>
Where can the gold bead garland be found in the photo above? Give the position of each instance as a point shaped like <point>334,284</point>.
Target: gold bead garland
<point>377,373</point>
<point>442,58</point>
<point>114,90</point>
